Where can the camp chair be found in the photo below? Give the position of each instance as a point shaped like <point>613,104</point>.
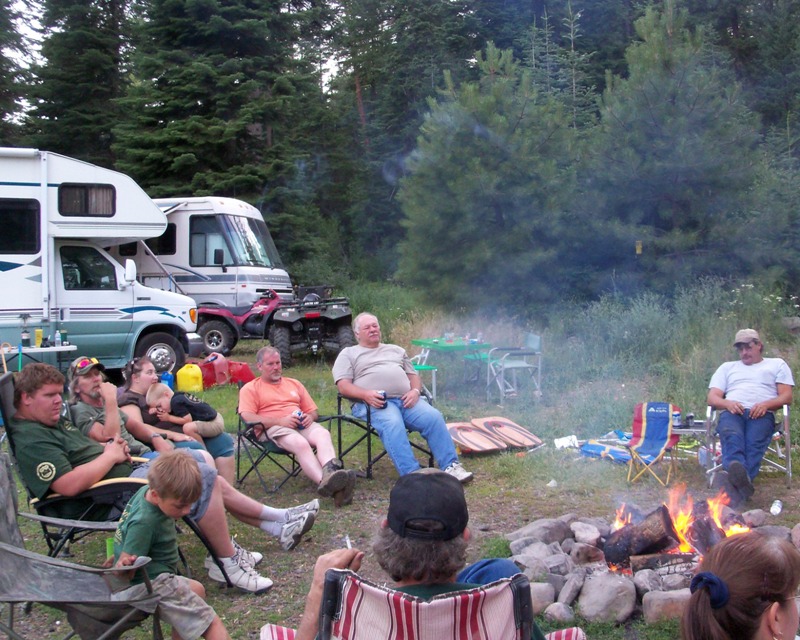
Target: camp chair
<point>255,448</point>
<point>365,434</point>
<point>84,593</point>
<point>419,367</point>
<point>651,439</point>
<point>504,365</point>
<point>777,454</point>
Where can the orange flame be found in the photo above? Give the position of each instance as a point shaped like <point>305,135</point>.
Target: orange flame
<point>623,518</point>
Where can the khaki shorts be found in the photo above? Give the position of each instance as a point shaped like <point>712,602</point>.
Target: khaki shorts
<point>276,432</point>
<point>211,428</point>
<point>188,614</point>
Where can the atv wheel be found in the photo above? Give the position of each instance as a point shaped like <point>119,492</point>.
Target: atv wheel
<point>218,337</point>
<point>345,337</point>
<point>280,339</point>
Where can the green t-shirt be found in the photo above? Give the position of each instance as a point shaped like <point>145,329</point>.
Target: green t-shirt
<point>44,454</point>
<point>85,415</point>
<point>144,530</point>
<point>428,591</point>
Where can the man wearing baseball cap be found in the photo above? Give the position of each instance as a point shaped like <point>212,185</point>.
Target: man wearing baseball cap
<point>421,544</point>
<point>746,392</point>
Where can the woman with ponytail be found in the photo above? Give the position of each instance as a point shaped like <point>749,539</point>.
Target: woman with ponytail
<point>745,590</point>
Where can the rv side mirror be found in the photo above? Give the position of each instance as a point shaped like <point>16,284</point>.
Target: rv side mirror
<point>130,271</point>
<point>219,257</point>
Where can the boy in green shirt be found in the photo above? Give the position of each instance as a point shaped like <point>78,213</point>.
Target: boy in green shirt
<point>147,528</point>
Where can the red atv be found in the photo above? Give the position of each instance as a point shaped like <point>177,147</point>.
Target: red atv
<point>313,322</point>
<point>222,327</point>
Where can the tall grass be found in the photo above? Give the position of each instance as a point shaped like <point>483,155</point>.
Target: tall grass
<point>601,358</point>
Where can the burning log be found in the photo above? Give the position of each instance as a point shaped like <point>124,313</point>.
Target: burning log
<point>660,560</point>
<point>703,534</point>
<point>654,534</point>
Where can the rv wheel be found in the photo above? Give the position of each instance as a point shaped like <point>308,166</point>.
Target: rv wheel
<point>163,350</point>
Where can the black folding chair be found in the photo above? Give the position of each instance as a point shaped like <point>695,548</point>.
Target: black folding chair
<point>365,433</point>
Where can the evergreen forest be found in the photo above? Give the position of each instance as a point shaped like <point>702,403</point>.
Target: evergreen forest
<point>486,152</point>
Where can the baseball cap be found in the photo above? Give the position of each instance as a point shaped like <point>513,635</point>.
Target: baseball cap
<point>745,336</point>
<point>434,496</point>
<point>82,365</point>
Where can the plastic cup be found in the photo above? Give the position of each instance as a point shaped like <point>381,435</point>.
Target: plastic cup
<point>38,337</point>
<point>64,339</point>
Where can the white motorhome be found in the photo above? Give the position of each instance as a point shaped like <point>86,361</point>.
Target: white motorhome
<point>216,250</point>
<point>57,215</point>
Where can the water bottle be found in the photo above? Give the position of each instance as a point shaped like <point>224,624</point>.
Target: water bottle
<point>58,338</point>
<point>168,379</point>
<point>776,507</point>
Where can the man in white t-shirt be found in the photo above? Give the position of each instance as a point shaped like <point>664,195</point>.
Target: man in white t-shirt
<point>382,376</point>
<point>747,392</point>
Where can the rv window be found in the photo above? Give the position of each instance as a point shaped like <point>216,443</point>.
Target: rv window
<point>206,235</point>
<point>20,221</point>
<point>97,200</point>
<point>165,244</point>
<point>87,268</point>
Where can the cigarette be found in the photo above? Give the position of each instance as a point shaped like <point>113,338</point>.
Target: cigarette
<point>347,542</point>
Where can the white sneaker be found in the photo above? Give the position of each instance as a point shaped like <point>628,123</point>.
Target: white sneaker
<point>293,530</point>
<point>246,558</point>
<point>459,472</point>
<point>293,513</point>
<point>243,577</point>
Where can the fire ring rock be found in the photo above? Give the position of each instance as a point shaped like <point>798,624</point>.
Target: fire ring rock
<point>607,597</point>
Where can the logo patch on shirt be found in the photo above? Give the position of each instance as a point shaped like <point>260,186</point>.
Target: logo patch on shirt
<point>46,471</point>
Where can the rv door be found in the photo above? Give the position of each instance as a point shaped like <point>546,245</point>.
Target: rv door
<point>93,300</point>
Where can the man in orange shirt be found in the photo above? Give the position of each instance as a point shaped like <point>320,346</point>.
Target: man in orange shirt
<point>288,415</point>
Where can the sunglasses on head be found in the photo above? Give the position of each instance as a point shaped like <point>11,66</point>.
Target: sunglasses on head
<point>86,362</point>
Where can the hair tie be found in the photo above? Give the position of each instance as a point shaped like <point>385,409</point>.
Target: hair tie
<point>717,589</point>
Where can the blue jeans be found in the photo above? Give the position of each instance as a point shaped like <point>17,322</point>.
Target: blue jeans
<point>391,423</point>
<point>745,439</point>
<point>488,570</point>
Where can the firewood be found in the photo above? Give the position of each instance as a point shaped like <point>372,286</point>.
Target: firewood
<point>658,560</point>
<point>654,534</point>
<point>703,534</point>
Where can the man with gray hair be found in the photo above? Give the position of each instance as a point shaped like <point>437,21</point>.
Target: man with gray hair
<point>383,377</point>
<point>289,418</point>
<point>746,392</point>
<point>422,545</point>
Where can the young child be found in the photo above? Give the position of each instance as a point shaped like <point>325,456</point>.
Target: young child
<point>198,419</point>
<point>147,528</point>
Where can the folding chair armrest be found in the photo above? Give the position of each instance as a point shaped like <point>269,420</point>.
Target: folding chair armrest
<point>139,563</point>
<point>111,486</point>
<point>64,523</point>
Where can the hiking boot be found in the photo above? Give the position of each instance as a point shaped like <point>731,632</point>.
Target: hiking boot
<point>293,530</point>
<point>459,472</point>
<point>740,479</point>
<point>721,482</point>
<point>334,478</point>
<point>245,578</point>
<point>244,557</point>
<point>293,513</point>
<point>345,496</point>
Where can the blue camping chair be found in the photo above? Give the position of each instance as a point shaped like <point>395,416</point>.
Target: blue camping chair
<point>652,440</point>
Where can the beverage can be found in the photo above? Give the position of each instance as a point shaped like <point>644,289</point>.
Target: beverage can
<point>776,507</point>
<point>299,415</point>
<point>676,418</point>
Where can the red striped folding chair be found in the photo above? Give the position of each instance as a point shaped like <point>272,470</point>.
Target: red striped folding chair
<point>651,440</point>
<point>354,608</point>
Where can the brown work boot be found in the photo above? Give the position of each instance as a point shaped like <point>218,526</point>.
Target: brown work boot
<point>345,495</point>
<point>334,478</point>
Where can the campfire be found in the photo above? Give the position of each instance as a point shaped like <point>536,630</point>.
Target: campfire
<point>673,534</point>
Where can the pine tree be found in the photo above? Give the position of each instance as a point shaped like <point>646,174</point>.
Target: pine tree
<point>485,198</point>
<point>73,98</point>
<point>11,49</point>
<point>675,160</point>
